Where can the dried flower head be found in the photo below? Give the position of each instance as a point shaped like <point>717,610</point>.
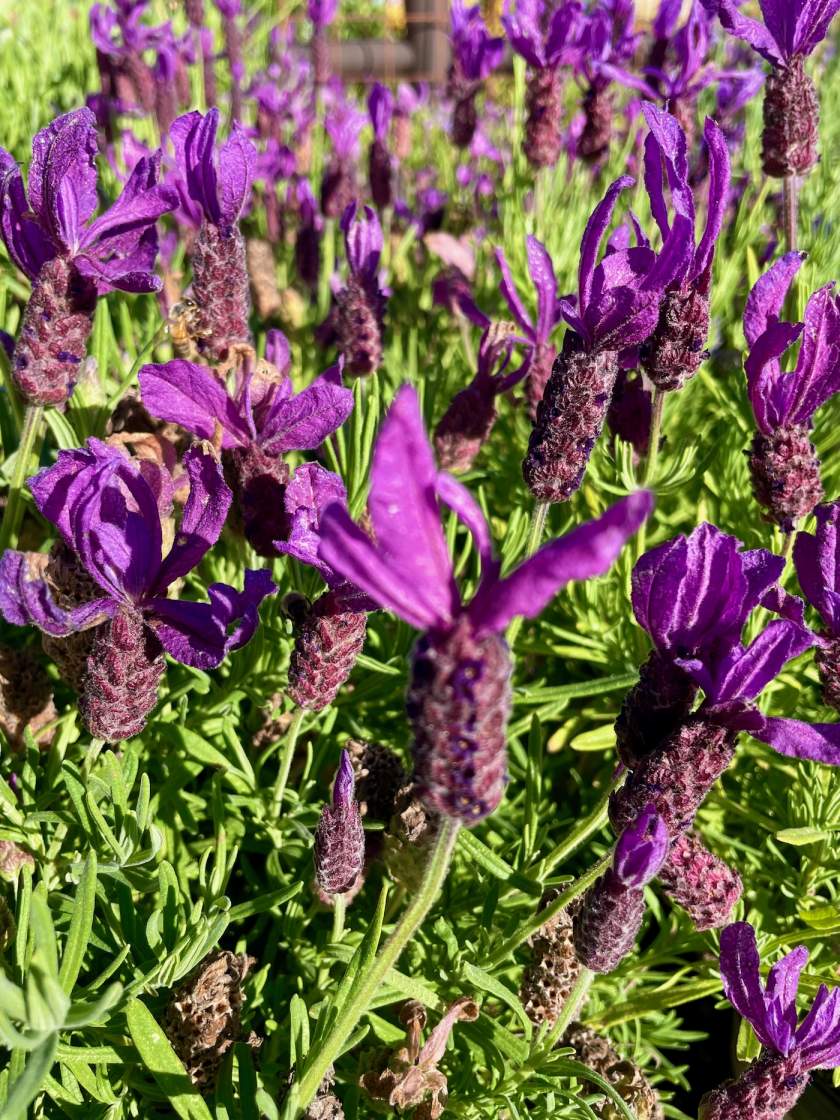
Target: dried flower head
<point>26,697</point>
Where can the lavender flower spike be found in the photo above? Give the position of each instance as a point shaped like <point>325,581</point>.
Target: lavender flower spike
<point>380,165</point>
<point>617,308</point>
<point>259,423</point>
<point>218,180</point>
<point>541,271</point>
<point>330,632</point>
<point>783,461</point>
<point>545,43</point>
<point>818,571</point>
<point>338,186</point>
<point>475,54</point>
<point>108,509</point>
<point>673,353</point>
<point>770,1087</point>
<point>610,916</point>
<point>468,421</point>
<point>361,303</point>
<point>459,688</point>
<point>792,29</point>
<point>70,259</point>
<point>340,837</point>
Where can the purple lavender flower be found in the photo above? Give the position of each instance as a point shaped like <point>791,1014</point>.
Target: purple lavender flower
<point>380,169</point>
<point>218,181</point>
<point>340,837</point>
<point>770,1087</point>
<point>344,124</point>
<point>468,421</point>
<point>229,10</point>
<point>70,259</point>
<point>308,238</point>
<point>606,39</point>
<point>475,55</point>
<point>120,40</point>
<point>257,425</point>
<point>321,13</point>
<point>360,305</point>
<point>330,632</point>
<point>673,353</point>
<point>791,31</point>
<point>108,510</point>
<point>541,271</point>
<point>617,308</point>
<point>783,461</point>
<point>459,690</point>
<point>607,924</point>
<point>545,42</point>
<point>818,571</point>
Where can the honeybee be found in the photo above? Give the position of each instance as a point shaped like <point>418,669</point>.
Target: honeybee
<point>185,328</point>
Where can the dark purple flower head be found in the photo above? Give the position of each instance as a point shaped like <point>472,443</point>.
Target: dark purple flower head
<point>218,179</point>
<point>689,44</point>
<point>344,124</point>
<point>606,39</point>
<point>362,242</point>
<point>541,271</point>
<point>543,44</point>
<point>791,28</point>
<point>108,510</point>
<point>408,569</point>
<point>311,491</point>
<point>322,12</point>
<point>771,1008</point>
<point>476,52</point>
<point>666,148</point>
<point>380,104</point>
<point>618,300</point>
<point>817,559</point>
<point>641,850</point>
<point>263,410</point>
<point>115,251</point>
<point>779,399</point>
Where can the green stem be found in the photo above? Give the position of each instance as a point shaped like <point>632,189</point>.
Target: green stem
<point>790,194</point>
<point>538,920</point>
<point>14,509</point>
<point>466,340</point>
<point>367,986</point>
<point>339,910</point>
<point>571,1008</point>
<point>286,762</point>
<point>535,534</point>
<point>787,547</point>
<point>657,406</point>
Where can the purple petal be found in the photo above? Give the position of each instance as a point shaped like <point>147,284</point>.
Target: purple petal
<point>593,235</point>
<point>817,375</point>
<point>307,495</point>
<point>381,109</point>
<point>345,782</point>
<point>184,393</point>
<point>346,549</point>
<point>812,25</point>
<point>509,291</point>
<point>817,560</point>
<point>767,298</point>
<point>818,742</point>
<point>739,969</point>
<point>193,137</point>
<point>56,489</point>
<point>768,387</point>
<point>237,159</point>
<point>277,351</point>
<point>750,30</point>
<point>117,232</point>
<point>642,849</point>
<point>362,241</point>
<point>238,611</point>
<point>818,1038</point>
<point>542,274</point>
<point>26,600</point>
<point>62,176</point>
<point>587,551</point>
<point>26,242</point>
<point>404,509</point>
<point>204,517</point>
<point>302,423</point>
<point>719,182</point>
<point>782,987</point>
<point>743,673</point>
<point>469,513</point>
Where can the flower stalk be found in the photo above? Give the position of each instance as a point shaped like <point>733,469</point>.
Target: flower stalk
<point>32,420</point>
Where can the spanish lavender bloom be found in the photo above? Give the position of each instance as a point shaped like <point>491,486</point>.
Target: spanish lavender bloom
<point>468,421</point>
<point>360,304</point>
<point>218,181</point>
<point>703,884</point>
<point>606,39</point>
<point>783,461</point>
<point>630,414</point>
<point>409,98</point>
<point>818,571</point>
<point>610,916</point>
<point>330,632</point>
<point>545,42</point>
<point>340,837</point>
<point>229,10</point>
<point>617,308</point>
<point>71,260</point>
<point>692,596</point>
<point>380,169</point>
<point>108,510</point>
<point>459,690</point>
<point>120,39</point>
<point>321,13</point>
<point>259,423</point>
<point>343,123</point>
<point>541,271</point>
<point>791,31</point>
<point>770,1087</point>
<point>475,55</point>
<point>676,348</point>
<point>308,238</point>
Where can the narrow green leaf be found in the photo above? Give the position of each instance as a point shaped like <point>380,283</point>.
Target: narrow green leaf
<point>163,1063</point>
<point>31,1081</point>
<point>80,926</point>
